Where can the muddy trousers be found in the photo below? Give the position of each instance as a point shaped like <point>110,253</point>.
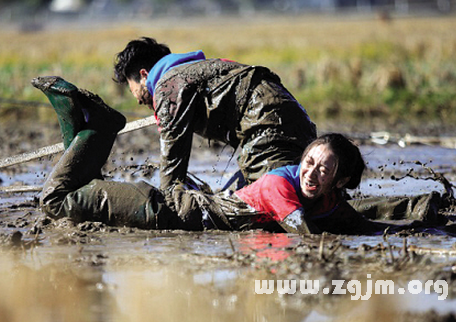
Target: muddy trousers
<point>75,188</point>
<point>422,207</point>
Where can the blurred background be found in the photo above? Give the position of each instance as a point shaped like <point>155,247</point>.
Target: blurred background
<point>150,8</point>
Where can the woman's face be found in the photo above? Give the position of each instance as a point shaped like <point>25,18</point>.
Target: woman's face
<point>317,171</point>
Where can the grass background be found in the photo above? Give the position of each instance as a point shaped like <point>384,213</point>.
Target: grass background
<point>361,72</point>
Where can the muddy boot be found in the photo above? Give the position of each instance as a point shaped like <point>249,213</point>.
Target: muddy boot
<point>62,96</point>
<point>78,109</point>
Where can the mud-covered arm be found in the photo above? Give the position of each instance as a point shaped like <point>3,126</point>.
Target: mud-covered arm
<point>298,224</point>
<point>347,221</point>
<point>175,111</point>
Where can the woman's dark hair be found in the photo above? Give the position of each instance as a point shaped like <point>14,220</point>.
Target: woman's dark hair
<point>350,162</point>
<point>138,54</point>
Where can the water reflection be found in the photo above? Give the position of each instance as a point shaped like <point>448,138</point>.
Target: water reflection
<point>156,279</point>
<point>270,246</point>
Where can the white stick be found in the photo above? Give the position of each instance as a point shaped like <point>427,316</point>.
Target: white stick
<point>56,148</point>
<point>14,189</point>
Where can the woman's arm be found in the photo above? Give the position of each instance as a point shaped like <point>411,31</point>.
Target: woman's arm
<point>298,224</point>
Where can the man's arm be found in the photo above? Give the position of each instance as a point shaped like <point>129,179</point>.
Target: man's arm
<point>175,112</point>
<point>175,148</point>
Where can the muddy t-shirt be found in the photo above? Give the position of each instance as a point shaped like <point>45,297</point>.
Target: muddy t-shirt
<point>278,194</point>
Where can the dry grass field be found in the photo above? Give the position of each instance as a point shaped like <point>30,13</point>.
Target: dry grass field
<point>360,70</point>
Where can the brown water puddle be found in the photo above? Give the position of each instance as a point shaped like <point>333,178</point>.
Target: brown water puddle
<point>99,273</point>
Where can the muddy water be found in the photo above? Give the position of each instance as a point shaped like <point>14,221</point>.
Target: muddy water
<point>91,272</point>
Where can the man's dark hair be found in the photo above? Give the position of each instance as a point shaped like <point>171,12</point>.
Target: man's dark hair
<point>350,162</point>
<point>138,54</point>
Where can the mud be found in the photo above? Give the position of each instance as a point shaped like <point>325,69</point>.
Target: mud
<point>55,270</point>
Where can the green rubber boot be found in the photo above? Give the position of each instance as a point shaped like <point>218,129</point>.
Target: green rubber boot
<point>78,109</point>
<point>62,96</point>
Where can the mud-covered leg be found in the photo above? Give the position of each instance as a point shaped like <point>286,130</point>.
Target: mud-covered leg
<point>423,207</point>
<point>71,190</point>
<point>89,128</point>
<point>80,164</point>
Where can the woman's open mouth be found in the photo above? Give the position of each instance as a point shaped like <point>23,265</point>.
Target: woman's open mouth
<point>311,186</point>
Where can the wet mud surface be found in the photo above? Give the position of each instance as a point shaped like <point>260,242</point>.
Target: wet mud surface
<point>56,270</point>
